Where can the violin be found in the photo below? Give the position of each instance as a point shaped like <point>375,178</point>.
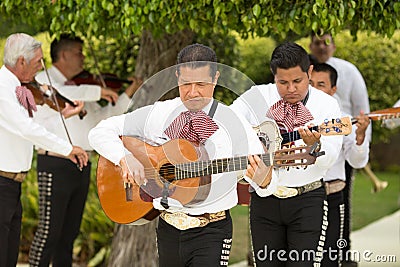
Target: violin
<point>111,80</point>
<point>43,96</point>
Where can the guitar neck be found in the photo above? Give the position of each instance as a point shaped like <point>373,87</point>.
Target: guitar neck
<point>383,114</point>
<point>293,136</point>
<point>209,167</point>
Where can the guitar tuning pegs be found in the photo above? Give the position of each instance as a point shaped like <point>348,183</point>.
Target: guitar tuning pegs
<point>326,121</point>
<point>338,120</point>
<point>337,129</point>
<point>327,130</point>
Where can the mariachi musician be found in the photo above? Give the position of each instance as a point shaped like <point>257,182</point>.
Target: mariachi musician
<point>18,132</point>
<point>292,220</point>
<point>62,187</point>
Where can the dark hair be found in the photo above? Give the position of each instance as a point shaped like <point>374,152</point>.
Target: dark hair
<point>197,55</point>
<point>63,43</point>
<point>289,55</point>
<point>323,67</point>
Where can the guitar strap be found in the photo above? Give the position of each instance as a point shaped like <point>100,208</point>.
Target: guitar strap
<point>304,101</point>
<point>165,191</point>
<point>213,109</point>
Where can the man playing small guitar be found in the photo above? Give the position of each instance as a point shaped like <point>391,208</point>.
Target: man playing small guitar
<point>197,230</point>
<point>293,220</point>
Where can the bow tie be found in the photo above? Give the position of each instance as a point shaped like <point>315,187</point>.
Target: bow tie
<point>290,115</point>
<point>26,99</point>
<point>196,127</point>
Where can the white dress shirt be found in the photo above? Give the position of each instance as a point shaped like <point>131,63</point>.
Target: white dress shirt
<point>256,101</point>
<point>356,155</point>
<point>234,137</point>
<point>18,132</point>
<point>78,129</point>
<point>351,93</point>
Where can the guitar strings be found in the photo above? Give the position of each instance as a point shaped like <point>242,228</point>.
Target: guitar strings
<point>219,165</point>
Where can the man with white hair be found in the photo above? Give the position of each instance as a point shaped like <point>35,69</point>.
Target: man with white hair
<point>18,133</point>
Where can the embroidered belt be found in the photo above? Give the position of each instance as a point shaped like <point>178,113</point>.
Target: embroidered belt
<point>334,186</point>
<point>183,221</point>
<point>16,176</point>
<point>286,192</point>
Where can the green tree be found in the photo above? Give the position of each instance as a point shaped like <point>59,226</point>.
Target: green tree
<point>164,27</point>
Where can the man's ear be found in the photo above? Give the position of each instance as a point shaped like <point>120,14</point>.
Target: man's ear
<point>215,80</point>
<point>21,60</point>
<point>64,56</point>
<point>333,89</point>
<point>309,72</point>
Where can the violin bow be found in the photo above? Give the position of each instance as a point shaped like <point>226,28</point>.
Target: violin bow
<point>96,65</point>
<point>54,98</point>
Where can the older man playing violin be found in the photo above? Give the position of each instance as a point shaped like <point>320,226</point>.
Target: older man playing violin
<point>62,187</point>
<point>18,133</point>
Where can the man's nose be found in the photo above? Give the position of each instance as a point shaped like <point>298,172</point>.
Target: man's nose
<point>193,89</point>
<point>291,87</point>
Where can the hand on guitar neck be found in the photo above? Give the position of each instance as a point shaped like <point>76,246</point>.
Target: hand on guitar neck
<point>309,135</point>
<point>362,125</point>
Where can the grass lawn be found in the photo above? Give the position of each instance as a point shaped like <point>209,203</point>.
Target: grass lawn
<point>367,207</point>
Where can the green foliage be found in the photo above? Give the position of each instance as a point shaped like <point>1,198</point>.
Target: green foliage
<point>120,19</point>
<point>255,55</point>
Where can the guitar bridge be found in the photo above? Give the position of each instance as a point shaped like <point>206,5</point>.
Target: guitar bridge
<point>128,192</point>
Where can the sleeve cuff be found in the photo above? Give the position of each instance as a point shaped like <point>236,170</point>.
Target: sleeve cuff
<point>264,192</point>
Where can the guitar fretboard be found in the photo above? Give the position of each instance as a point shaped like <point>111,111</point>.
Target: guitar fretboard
<point>295,135</point>
<point>208,167</point>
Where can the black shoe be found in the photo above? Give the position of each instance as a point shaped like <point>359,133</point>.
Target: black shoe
<point>349,264</point>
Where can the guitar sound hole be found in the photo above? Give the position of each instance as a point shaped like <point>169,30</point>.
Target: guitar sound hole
<point>167,171</point>
<point>264,140</point>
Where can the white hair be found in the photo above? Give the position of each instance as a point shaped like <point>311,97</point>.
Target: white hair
<point>19,44</point>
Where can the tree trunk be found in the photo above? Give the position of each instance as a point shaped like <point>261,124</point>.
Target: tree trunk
<point>136,245</point>
<point>156,54</point>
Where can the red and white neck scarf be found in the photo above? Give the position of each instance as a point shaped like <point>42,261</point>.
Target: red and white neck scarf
<point>25,97</point>
<point>196,127</point>
<point>290,115</point>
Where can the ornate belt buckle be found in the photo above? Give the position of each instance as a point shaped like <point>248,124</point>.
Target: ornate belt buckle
<point>181,220</point>
<point>285,192</point>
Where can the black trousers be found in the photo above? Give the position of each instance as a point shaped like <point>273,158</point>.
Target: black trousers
<point>347,192</point>
<point>63,190</point>
<point>197,247</point>
<point>10,221</point>
<point>288,232</point>
<point>334,235</point>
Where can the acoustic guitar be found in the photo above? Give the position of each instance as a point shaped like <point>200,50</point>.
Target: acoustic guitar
<point>177,169</point>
